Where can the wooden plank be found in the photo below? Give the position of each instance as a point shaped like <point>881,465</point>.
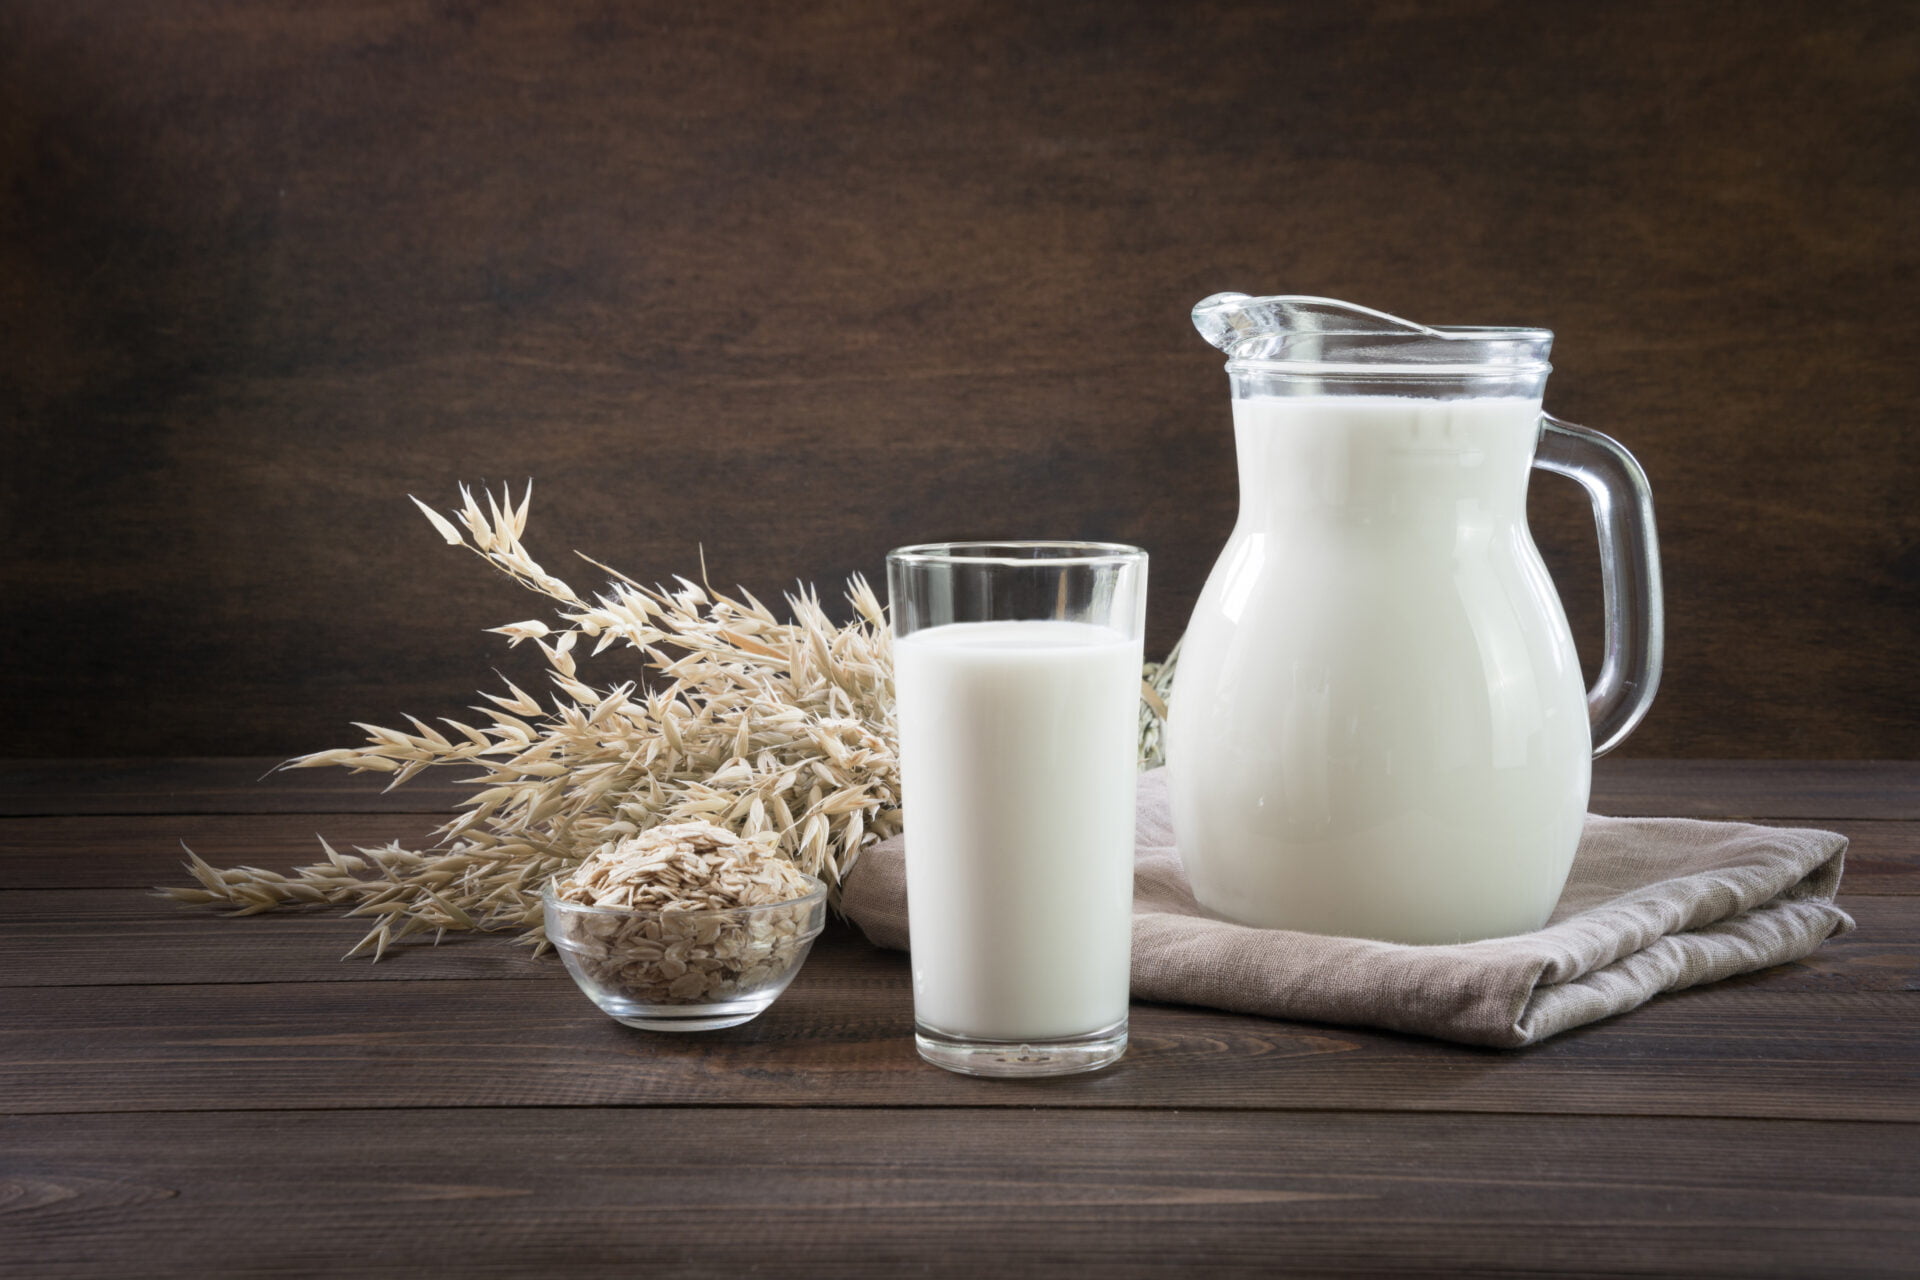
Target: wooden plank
<point>91,937</point>
<point>60,937</point>
<point>139,850</point>
<point>1773,789</point>
<point>904,287</point>
<point>211,784</point>
<point>881,1193</point>
<point>1882,857</point>
<point>1797,790</point>
<point>841,1035</point>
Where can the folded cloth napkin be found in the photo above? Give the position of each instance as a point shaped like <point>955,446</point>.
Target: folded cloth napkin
<point>1652,905</point>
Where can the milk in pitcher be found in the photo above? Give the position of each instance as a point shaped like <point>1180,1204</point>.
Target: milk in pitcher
<point>1379,723</point>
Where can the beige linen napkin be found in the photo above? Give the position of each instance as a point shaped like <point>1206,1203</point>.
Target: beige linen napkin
<point>1653,905</point>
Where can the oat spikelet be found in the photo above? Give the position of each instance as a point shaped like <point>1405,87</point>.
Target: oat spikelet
<point>753,723</point>
<point>1157,687</point>
<point>750,722</point>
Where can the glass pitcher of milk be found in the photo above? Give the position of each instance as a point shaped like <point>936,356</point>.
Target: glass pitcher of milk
<point>1378,726</point>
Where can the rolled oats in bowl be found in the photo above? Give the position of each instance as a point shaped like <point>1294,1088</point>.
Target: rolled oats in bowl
<point>685,927</point>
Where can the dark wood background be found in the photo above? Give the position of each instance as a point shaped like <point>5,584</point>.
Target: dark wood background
<point>798,282</point>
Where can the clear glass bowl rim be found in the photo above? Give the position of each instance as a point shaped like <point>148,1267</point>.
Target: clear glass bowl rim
<point>813,896</point>
<point>1008,551</point>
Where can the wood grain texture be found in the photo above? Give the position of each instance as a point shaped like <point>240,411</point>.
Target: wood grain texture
<point>220,784</point>
<point>1806,790</point>
<point>108,937</point>
<point>191,1095</point>
<point>138,851</point>
<point>1759,789</point>
<point>801,282</point>
<point>117,852</point>
<point>884,1193</point>
<point>1839,1045</point>
<point>119,935</point>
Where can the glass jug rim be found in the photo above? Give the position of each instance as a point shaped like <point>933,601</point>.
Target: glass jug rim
<point>1407,371</point>
<point>1303,333</point>
<point>1487,351</point>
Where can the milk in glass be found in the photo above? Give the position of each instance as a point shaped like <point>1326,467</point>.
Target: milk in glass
<point>1017,744</point>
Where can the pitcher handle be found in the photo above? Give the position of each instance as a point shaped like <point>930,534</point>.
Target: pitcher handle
<point>1629,573</point>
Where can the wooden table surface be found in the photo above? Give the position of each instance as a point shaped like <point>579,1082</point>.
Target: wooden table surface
<point>188,1094</point>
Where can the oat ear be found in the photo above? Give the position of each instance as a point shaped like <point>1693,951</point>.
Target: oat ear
<point>441,523</point>
<point>781,726</point>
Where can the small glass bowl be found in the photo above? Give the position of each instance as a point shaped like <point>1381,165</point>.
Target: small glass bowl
<point>685,970</point>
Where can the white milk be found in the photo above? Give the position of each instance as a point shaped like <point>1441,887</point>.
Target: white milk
<point>1379,726</point>
<point>1017,762</point>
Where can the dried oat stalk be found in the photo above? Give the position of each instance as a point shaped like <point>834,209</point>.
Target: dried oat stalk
<point>754,723</point>
<point>751,722</point>
<point>1156,688</point>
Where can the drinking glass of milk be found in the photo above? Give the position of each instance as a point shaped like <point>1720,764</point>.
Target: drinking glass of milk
<point>1017,682</point>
